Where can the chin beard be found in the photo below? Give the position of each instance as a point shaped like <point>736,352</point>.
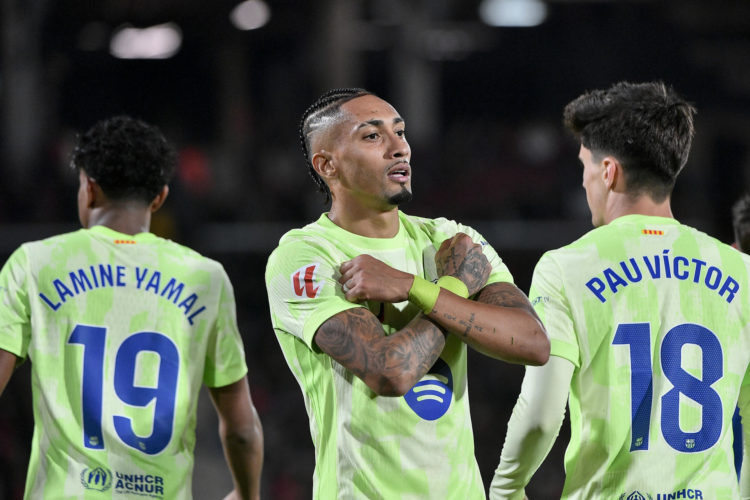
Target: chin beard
<point>403,196</point>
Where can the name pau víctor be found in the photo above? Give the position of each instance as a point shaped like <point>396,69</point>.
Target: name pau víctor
<point>106,275</point>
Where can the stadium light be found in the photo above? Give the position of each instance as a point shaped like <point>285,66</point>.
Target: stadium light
<point>155,42</point>
<point>250,15</point>
<point>513,13</point>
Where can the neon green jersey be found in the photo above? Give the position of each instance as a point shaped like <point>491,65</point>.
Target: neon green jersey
<point>419,446</point>
<point>654,316</point>
<point>122,331</point>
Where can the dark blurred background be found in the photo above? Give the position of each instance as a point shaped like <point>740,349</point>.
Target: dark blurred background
<point>481,85</point>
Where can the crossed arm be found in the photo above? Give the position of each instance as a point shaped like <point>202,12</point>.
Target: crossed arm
<point>500,323</point>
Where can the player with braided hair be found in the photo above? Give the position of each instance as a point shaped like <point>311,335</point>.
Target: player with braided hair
<point>373,310</point>
<point>123,328</point>
<point>318,116</point>
<point>649,321</point>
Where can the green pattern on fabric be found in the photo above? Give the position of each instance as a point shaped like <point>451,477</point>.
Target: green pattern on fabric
<point>368,446</point>
<point>131,327</point>
<point>608,301</point>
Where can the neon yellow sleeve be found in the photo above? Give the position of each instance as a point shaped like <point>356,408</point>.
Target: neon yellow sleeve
<point>533,427</point>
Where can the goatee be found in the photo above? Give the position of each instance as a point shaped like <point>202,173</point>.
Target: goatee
<point>403,196</point>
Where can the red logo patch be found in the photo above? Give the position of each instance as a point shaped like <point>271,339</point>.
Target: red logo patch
<point>303,282</point>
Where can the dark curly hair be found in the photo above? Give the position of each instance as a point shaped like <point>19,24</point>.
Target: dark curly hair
<point>741,223</point>
<point>325,106</point>
<point>128,158</point>
<point>646,126</point>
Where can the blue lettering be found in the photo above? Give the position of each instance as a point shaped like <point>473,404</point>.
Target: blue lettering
<point>140,277</point>
<point>613,280</point>
<point>62,290</point>
<point>196,313</point>
<point>188,303</point>
<point>79,280</point>
<point>159,480</point>
<point>636,269</point>
<point>159,490</point>
<point>153,283</point>
<point>680,274</point>
<point>666,264</point>
<point>119,484</point>
<point>54,307</point>
<point>698,265</point>
<point>656,270</point>
<point>690,494</point>
<point>731,286</point>
<point>176,291</point>
<point>715,271</point>
<point>120,275</point>
<point>105,273</point>
<point>597,287</point>
<point>93,276</point>
<point>699,494</point>
<point>681,494</point>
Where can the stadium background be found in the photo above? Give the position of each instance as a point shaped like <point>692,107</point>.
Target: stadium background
<point>482,104</point>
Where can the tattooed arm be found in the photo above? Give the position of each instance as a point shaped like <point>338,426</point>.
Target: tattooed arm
<point>501,322</point>
<point>389,365</point>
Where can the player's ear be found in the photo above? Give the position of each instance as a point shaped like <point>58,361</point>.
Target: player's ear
<point>611,171</point>
<point>158,201</point>
<point>324,164</point>
<point>90,191</point>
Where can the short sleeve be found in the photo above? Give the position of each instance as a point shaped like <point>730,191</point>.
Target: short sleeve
<point>547,295</point>
<point>15,311</point>
<point>303,289</point>
<point>225,353</point>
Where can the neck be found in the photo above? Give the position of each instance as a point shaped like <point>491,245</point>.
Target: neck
<point>125,218</point>
<point>621,205</point>
<point>365,222</point>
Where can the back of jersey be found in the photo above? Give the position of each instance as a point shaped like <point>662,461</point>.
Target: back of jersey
<point>124,331</point>
<point>655,316</point>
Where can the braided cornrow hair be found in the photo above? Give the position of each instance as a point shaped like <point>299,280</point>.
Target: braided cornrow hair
<point>326,106</point>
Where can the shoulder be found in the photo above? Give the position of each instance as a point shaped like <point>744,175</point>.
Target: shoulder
<point>437,229</point>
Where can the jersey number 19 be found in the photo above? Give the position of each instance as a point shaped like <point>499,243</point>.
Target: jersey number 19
<point>93,339</point>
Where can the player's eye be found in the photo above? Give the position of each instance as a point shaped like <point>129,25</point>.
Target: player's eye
<point>401,133</point>
<point>372,136</point>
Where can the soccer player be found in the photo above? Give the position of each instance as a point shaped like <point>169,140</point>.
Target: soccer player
<point>122,328</point>
<point>378,348</point>
<point>648,319</point>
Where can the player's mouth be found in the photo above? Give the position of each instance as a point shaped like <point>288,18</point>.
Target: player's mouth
<point>400,172</point>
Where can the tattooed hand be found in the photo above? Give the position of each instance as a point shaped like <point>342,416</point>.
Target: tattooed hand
<point>366,278</point>
<point>462,258</point>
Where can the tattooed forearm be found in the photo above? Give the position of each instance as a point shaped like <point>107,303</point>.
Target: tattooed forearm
<point>506,295</point>
<point>355,339</point>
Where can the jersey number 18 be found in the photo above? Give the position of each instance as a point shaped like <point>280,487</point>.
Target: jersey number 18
<point>638,337</point>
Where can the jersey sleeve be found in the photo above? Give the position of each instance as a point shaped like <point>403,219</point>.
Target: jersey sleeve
<point>500,272</point>
<point>15,311</point>
<point>547,295</point>
<point>225,355</point>
<point>303,289</point>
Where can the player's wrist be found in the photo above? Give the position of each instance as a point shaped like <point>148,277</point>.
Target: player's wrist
<point>453,284</point>
<point>423,294</point>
